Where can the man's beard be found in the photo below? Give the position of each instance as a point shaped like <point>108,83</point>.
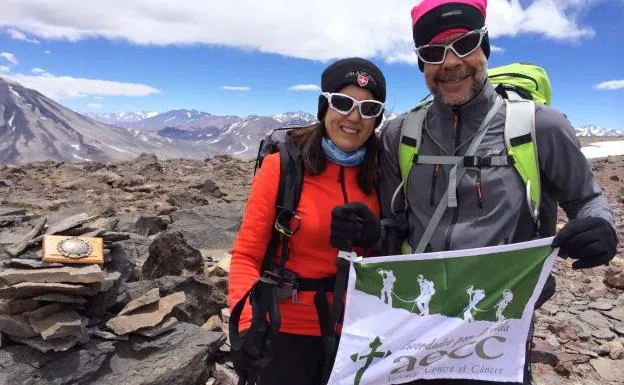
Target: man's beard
<point>478,77</point>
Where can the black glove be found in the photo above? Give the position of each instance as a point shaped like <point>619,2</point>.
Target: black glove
<point>591,240</point>
<point>353,224</point>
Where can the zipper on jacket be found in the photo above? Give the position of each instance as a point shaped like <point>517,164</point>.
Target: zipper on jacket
<point>341,180</point>
<point>457,137</point>
<point>434,177</point>
<point>478,188</point>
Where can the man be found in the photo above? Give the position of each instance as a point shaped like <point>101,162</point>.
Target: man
<point>498,213</point>
<point>491,204</point>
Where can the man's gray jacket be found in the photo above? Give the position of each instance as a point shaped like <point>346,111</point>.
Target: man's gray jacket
<point>498,213</point>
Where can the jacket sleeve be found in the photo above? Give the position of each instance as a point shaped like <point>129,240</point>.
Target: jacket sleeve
<point>252,240</point>
<point>567,175</point>
<point>389,181</point>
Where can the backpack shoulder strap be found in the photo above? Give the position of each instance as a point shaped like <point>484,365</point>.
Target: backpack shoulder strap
<point>411,133</point>
<point>522,148</point>
<point>288,195</point>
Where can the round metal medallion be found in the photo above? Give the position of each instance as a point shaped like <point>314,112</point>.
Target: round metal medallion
<point>74,247</point>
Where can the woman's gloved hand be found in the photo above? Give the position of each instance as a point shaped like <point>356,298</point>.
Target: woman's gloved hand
<point>591,240</point>
<point>354,224</point>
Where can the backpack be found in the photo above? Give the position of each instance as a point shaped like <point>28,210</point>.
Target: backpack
<point>253,350</point>
<point>520,85</point>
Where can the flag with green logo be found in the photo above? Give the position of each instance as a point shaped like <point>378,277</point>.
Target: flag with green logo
<point>461,314</point>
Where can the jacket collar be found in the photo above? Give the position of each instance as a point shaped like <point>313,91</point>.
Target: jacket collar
<point>471,113</point>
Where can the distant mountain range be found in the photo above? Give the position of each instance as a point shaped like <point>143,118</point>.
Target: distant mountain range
<point>121,118</point>
<point>594,130</point>
<point>34,127</point>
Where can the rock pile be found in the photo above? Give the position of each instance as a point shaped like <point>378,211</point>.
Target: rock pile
<point>155,312</point>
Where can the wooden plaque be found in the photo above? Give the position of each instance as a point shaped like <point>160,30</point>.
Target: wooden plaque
<point>70,249</point>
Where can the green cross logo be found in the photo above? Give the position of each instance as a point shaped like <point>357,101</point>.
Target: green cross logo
<point>374,345</point>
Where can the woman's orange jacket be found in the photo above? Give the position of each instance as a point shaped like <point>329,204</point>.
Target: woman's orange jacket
<point>310,255</point>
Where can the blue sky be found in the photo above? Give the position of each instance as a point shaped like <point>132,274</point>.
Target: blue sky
<point>245,56</point>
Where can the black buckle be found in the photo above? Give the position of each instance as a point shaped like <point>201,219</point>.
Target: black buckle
<point>286,286</point>
<point>286,230</point>
<point>477,161</point>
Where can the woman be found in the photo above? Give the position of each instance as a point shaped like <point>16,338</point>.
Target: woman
<point>337,208</point>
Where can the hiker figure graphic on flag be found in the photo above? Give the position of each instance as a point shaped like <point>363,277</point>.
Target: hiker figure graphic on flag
<point>388,284</point>
<point>374,345</point>
<point>502,304</point>
<point>476,296</point>
<point>427,291</point>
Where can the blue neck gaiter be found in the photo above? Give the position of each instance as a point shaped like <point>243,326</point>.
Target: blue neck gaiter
<point>347,159</point>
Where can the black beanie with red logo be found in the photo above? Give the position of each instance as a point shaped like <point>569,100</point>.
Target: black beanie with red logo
<point>356,71</point>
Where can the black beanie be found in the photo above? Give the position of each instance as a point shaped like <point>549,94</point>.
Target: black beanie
<point>356,71</point>
<point>447,16</point>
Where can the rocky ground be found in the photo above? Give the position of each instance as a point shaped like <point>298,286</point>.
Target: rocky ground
<point>149,211</point>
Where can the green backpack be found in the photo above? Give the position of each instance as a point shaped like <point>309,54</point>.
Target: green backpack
<point>523,80</point>
<point>521,86</point>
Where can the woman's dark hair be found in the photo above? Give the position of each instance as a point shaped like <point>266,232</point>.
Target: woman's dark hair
<point>308,140</point>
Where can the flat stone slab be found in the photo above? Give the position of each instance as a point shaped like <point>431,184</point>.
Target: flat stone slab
<point>16,326</point>
<point>31,289</point>
<point>62,324</point>
<point>617,313</point>
<point>69,223</point>
<point>18,248</point>
<point>86,274</point>
<point>149,298</point>
<point>12,211</point>
<point>610,370</point>
<point>17,306</point>
<point>601,305</point>
<point>53,345</point>
<point>159,329</point>
<point>128,323</point>
<point>23,263</point>
<point>603,334</point>
<point>44,311</point>
<point>594,319</point>
<point>60,298</point>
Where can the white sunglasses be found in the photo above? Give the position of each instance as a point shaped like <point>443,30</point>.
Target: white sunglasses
<point>344,104</point>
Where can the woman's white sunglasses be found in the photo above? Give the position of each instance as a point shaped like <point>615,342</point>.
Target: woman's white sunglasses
<point>344,104</point>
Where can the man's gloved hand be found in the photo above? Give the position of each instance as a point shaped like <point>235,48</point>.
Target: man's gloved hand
<point>353,224</point>
<point>591,240</point>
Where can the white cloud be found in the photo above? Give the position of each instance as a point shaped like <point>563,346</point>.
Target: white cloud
<point>286,27</point>
<point>403,56</point>
<point>9,57</point>
<point>19,35</point>
<point>236,88</point>
<point>495,48</point>
<point>611,85</point>
<point>5,68</point>
<point>38,70</point>
<point>95,105</point>
<point>304,87</point>
<point>63,87</point>
<point>47,52</point>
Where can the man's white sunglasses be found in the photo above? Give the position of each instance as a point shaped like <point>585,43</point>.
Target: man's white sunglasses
<point>461,47</point>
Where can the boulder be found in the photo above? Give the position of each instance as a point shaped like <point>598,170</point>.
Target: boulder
<point>211,226</point>
<point>170,254</point>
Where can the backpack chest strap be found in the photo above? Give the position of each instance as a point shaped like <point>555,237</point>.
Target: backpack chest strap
<point>466,161</point>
